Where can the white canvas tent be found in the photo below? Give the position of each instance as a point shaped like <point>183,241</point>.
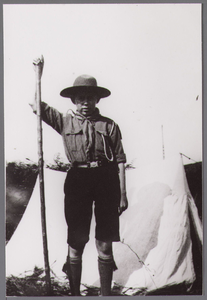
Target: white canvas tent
<point>155,248</point>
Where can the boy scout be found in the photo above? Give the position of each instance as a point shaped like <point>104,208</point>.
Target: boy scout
<point>97,175</point>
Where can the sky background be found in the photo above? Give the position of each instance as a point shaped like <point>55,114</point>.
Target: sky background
<point>148,55</point>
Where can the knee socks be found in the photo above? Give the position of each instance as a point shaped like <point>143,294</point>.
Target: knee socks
<point>106,268</point>
<point>74,268</point>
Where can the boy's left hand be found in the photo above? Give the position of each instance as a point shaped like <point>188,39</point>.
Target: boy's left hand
<point>123,203</point>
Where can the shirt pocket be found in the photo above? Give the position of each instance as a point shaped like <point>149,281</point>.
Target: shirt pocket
<point>74,140</point>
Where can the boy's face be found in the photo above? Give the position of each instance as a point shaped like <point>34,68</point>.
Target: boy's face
<point>85,103</point>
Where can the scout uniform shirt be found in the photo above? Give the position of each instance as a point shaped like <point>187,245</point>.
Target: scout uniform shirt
<point>95,138</point>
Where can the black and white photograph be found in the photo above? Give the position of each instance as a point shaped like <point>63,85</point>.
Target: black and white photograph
<point>103,112</point>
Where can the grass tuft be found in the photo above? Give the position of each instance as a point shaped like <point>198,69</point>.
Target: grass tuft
<point>34,285</point>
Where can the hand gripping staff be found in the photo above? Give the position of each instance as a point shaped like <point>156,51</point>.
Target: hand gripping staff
<point>38,66</point>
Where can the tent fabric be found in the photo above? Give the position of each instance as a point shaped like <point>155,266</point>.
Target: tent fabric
<point>169,260</point>
<point>155,248</point>
<point>20,181</point>
<point>25,249</point>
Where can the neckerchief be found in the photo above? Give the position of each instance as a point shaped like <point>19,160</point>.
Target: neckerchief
<point>88,129</point>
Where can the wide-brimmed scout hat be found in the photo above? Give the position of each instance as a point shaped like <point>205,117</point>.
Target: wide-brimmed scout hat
<point>85,83</point>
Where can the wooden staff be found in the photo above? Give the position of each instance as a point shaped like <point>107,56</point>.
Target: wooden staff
<point>39,66</point>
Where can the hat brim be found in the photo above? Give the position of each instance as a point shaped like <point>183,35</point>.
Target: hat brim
<point>74,90</point>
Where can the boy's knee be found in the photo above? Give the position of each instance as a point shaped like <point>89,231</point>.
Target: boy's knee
<point>75,253</point>
<point>104,249</point>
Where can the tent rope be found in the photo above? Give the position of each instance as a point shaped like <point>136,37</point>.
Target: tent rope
<point>187,157</point>
<point>141,261</point>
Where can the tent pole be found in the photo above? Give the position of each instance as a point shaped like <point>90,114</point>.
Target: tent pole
<point>163,147</point>
<point>42,194</point>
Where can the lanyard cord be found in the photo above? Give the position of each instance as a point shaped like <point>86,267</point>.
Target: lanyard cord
<point>104,143</point>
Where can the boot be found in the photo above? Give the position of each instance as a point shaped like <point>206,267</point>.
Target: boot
<point>74,268</point>
<point>106,268</point>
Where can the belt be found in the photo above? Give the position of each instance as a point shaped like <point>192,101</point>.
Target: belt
<point>91,164</point>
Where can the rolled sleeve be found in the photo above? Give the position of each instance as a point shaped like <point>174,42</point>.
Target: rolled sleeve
<point>52,117</point>
<point>116,138</point>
